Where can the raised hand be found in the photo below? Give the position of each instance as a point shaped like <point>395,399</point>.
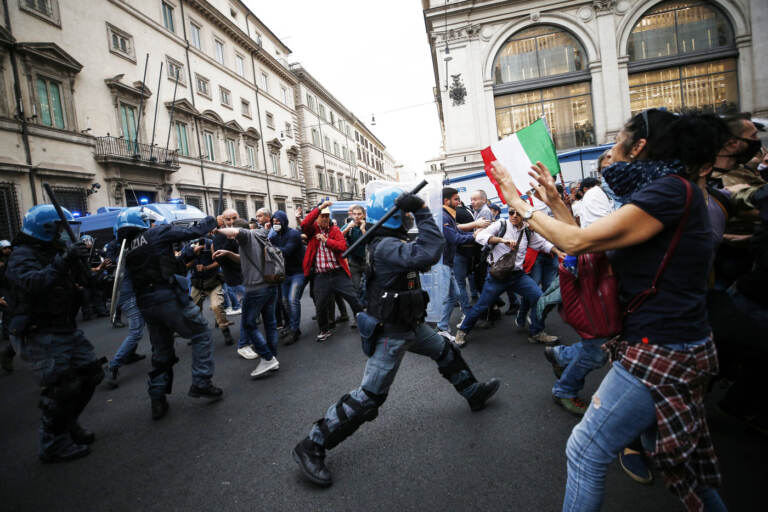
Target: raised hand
<point>506,183</point>
<point>544,187</point>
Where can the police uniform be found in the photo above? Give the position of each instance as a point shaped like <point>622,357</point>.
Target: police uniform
<point>162,295</point>
<point>45,280</point>
<point>393,325</point>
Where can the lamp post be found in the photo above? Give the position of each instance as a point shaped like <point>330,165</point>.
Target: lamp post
<point>320,123</point>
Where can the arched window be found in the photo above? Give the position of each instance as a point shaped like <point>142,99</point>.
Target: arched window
<point>682,57</point>
<point>542,71</point>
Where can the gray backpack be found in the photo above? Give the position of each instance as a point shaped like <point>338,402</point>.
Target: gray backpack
<point>274,262</point>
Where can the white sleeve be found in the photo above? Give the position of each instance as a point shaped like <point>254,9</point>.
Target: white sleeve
<point>539,243</point>
<point>484,235</point>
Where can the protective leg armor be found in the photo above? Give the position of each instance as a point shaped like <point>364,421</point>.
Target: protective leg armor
<point>453,367</point>
<point>348,424</point>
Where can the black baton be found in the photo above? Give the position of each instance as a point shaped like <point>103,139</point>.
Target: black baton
<point>370,231</point>
<point>71,233</point>
<point>221,195</point>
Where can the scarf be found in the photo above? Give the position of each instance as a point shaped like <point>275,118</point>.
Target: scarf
<point>626,178</point>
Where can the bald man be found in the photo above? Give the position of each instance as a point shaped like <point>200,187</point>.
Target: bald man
<point>226,254</point>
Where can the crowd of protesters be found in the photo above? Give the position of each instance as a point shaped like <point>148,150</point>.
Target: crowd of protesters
<point>679,205</point>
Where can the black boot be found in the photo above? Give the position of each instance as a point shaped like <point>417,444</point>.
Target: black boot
<point>292,337</point>
<point>133,357</point>
<point>112,377</point>
<point>159,408</point>
<point>71,452</point>
<point>210,392</point>
<point>310,457</point>
<point>227,336</point>
<point>81,435</point>
<point>483,394</point>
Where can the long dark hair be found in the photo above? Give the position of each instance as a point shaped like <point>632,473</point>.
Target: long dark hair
<point>694,139</point>
<point>649,125</point>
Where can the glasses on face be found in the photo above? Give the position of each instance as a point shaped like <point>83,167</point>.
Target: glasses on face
<point>513,212</point>
<point>230,218</point>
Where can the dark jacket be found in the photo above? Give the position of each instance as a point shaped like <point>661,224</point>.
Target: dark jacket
<point>335,243</point>
<point>453,238</point>
<point>288,240</point>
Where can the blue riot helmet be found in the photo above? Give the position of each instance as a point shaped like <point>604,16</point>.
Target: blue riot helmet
<point>43,223</point>
<point>380,203</point>
<point>87,240</point>
<point>134,218</point>
<point>4,244</point>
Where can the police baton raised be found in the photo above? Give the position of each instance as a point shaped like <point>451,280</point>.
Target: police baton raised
<point>64,220</point>
<point>371,230</point>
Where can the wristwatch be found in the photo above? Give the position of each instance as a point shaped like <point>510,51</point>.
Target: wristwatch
<point>528,214</point>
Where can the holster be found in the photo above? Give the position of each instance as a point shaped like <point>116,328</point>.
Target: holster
<point>368,327</point>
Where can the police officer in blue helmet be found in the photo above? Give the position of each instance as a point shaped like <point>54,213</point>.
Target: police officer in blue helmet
<point>46,275</point>
<point>162,294</point>
<point>393,325</point>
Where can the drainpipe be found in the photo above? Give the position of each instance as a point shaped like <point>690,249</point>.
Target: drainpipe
<point>258,114</point>
<point>192,96</point>
<point>20,107</point>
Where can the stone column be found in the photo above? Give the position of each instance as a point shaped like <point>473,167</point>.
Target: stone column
<point>614,109</point>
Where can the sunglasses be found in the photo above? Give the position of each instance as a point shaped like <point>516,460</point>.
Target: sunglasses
<point>513,212</point>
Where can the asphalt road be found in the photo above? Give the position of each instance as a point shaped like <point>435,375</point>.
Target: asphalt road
<point>426,451</point>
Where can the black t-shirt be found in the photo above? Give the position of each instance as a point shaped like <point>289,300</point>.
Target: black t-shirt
<point>677,313</point>
<point>233,275</point>
<point>464,216</point>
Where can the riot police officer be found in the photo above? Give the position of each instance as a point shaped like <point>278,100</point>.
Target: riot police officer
<point>393,325</point>
<point>46,273</point>
<point>162,294</point>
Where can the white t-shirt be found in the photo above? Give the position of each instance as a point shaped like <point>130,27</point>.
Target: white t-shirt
<point>594,205</point>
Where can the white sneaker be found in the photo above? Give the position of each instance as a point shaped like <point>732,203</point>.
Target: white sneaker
<point>446,335</point>
<point>232,312</point>
<point>458,325</point>
<point>247,352</point>
<point>265,366</point>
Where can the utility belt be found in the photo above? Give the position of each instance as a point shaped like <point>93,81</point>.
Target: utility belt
<point>398,311</point>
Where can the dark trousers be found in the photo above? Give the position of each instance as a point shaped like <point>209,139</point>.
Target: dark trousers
<point>328,284</point>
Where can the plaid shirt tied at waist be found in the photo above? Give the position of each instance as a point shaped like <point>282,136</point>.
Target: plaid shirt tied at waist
<point>676,379</point>
<point>325,260</point>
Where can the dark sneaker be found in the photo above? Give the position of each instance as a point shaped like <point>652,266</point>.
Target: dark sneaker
<point>573,405</point>
<point>159,408</point>
<point>292,337</point>
<point>81,435</point>
<point>133,357</point>
<point>228,340</point>
<point>549,353</point>
<point>310,457</point>
<point>211,392</point>
<point>635,467</point>
<point>323,335</point>
<point>112,374</point>
<point>483,394</point>
<point>71,452</point>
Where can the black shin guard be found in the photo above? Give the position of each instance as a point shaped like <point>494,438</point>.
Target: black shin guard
<point>452,363</point>
<point>347,425</point>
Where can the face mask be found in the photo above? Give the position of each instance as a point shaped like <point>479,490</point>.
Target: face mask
<point>753,146</point>
<point>626,178</point>
<point>277,227</point>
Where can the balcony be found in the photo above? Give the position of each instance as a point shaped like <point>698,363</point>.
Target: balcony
<point>116,150</point>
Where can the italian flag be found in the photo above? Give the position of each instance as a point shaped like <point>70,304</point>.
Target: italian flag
<point>519,151</point>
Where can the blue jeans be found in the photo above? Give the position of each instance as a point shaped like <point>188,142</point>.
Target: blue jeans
<point>292,288</point>
<point>382,366</point>
<point>621,410</point>
<point>543,273</point>
<point>135,329</point>
<point>164,317</point>
<point>450,299</point>
<point>462,270</point>
<point>261,302</point>
<point>519,283</point>
<point>578,359</point>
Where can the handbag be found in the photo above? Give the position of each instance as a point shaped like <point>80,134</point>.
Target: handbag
<point>591,299</point>
<point>504,268</point>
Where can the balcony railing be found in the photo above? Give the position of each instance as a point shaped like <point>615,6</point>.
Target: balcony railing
<point>117,148</point>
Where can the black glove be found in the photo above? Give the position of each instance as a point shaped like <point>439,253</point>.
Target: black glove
<point>409,202</point>
<point>76,251</point>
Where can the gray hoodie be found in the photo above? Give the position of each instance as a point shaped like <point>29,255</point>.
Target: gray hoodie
<point>252,257</point>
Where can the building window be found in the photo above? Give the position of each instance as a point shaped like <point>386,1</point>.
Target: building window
<point>225,96</point>
<point>287,130</point>
<point>333,118</point>
<point>341,184</point>
<point>9,211</point>
<point>280,204</point>
<point>336,148</point>
<point>128,121</point>
<point>181,138</point>
<point>331,183</point>
<point>321,111</point>
<point>194,36</point>
<point>264,81</point>
<point>245,108</point>
<point>533,54</point>
<point>49,99</point>
<point>168,17</point>
<point>217,209</point>
<point>232,152</point>
<point>315,137</point>
<point>251,157</point>
<point>72,198</point>
<point>203,86</point>
<point>194,201</point>
<point>120,43</point>
<point>284,90</point>
<point>275,161</point>
<point>240,65</point>
<point>310,102</point>
<point>210,154</point>
<point>219,48</point>
<point>682,56</point>
<point>241,208</point>
<point>175,70</point>
<point>258,203</point>
<point>327,144</point>
<point>270,121</point>
<point>294,168</point>
<point>320,180</point>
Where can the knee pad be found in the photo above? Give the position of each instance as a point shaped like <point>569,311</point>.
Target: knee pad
<point>348,424</point>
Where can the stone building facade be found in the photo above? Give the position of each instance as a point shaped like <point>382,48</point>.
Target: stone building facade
<point>587,66</point>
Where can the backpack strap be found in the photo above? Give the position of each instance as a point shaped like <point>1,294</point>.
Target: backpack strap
<point>641,297</point>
